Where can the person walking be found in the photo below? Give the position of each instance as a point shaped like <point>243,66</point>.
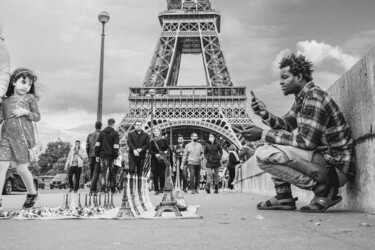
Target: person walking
<point>213,153</point>
<point>138,143</point>
<point>106,151</point>
<point>17,113</point>
<point>193,155</point>
<point>233,161</point>
<point>74,165</point>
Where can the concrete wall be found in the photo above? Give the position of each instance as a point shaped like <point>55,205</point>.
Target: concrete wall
<point>354,92</point>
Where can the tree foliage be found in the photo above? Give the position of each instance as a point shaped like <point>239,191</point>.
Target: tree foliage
<point>54,157</point>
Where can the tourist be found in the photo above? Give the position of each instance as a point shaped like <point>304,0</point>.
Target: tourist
<point>160,154</point>
<point>106,151</point>
<point>178,154</point>
<point>233,161</point>
<point>74,165</point>
<point>4,67</point>
<point>317,156</point>
<point>19,111</point>
<point>90,150</point>
<point>193,155</point>
<point>213,153</point>
<point>138,143</point>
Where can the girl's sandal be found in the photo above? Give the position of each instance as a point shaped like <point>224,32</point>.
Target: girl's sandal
<point>321,204</point>
<point>275,204</point>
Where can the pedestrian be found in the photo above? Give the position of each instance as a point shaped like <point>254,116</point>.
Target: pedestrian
<point>74,165</point>
<point>90,150</point>
<point>106,151</point>
<point>138,143</point>
<point>318,156</point>
<point>4,67</point>
<point>178,154</point>
<point>213,153</point>
<point>193,155</point>
<point>160,153</point>
<point>18,112</point>
<point>232,162</point>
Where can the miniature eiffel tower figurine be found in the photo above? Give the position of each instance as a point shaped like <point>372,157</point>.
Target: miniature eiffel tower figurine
<point>125,210</point>
<point>171,203</point>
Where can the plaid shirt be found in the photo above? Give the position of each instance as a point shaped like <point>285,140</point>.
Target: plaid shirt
<point>320,126</point>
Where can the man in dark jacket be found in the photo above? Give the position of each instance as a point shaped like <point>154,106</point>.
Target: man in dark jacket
<point>106,151</point>
<point>213,153</point>
<point>90,148</point>
<point>138,142</point>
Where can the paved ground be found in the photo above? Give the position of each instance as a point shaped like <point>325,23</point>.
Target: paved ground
<point>230,221</point>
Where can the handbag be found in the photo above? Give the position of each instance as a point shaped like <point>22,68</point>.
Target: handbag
<point>31,151</point>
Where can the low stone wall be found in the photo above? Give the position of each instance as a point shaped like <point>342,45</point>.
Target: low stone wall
<point>354,92</point>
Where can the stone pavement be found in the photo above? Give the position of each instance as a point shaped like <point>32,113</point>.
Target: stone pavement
<point>230,221</point>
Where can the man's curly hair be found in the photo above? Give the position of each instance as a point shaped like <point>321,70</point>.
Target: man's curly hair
<point>298,65</point>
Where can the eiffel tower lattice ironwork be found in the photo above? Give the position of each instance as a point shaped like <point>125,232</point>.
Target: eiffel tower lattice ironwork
<point>190,27</point>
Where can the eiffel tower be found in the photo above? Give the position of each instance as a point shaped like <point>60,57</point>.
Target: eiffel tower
<point>189,27</point>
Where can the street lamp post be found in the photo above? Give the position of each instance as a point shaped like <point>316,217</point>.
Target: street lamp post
<point>152,93</point>
<point>103,18</point>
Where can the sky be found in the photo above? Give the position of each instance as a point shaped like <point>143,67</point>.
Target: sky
<point>60,41</point>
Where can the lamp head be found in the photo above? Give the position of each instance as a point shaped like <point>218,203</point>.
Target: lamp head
<point>152,92</point>
<point>103,17</point>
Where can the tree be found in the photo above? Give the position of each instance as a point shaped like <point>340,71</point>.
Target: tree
<point>52,157</point>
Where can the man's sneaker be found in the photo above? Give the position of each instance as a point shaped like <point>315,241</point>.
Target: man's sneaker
<point>70,190</point>
<point>156,192</point>
<point>30,201</point>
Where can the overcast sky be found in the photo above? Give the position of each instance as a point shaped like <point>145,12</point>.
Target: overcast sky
<point>60,41</point>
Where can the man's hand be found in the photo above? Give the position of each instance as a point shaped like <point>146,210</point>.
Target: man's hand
<point>253,134</point>
<point>135,152</point>
<point>259,107</point>
<point>139,150</point>
<point>157,156</point>
<point>97,159</point>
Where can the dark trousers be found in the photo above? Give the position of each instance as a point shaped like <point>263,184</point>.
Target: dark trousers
<point>136,164</point>
<point>158,176</point>
<point>95,177</point>
<point>232,173</point>
<point>106,164</point>
<point>76,171</point>
<point>195,172</point>
<point>92,166</point>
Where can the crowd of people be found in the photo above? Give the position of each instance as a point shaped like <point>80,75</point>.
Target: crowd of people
<point>112,158</point>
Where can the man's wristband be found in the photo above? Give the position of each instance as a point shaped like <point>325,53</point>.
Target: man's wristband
<point>264,134</point>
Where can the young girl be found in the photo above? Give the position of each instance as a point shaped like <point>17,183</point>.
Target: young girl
<point>19,109</point>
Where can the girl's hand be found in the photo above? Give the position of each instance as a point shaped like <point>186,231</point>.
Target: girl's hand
<point>18,112</point>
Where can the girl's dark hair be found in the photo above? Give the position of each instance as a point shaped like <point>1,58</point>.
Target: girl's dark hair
<point>299,65</point>
<point>24,73</point>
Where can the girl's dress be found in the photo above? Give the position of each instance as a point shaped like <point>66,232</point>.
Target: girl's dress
<point>12,144</point>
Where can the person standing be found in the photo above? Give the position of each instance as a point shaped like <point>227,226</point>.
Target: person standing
<point>74,165</point>
<point>193,154</point>
<point>160,151</point>
<point>90,149</point>
<point>178,154</point>
<point>106,151</point>
<point>213,153</point>
<point>138,143</point>
<point>233,161</point>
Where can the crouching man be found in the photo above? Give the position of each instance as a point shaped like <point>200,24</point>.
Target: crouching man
<point>317,156</point>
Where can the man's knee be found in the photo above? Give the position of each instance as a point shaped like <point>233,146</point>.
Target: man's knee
<point>267,155</point>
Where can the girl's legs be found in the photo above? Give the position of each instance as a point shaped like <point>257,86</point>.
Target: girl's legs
<point>235,174</point>
<point>4,165</point>
<point>27,177</point>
